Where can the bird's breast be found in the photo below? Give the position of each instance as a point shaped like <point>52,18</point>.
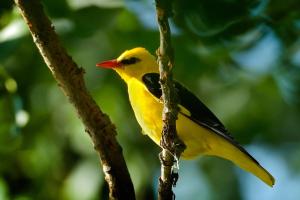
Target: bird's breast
<point>148,112</point>
<point>147,109</point>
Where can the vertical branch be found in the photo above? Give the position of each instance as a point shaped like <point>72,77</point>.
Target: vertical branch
<point>70,78</point>
<point>171,144</point>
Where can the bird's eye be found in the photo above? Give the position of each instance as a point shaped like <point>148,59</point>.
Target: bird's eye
<point>130,61</point>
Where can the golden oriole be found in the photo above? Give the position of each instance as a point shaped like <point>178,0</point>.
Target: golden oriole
<point>199,129</point>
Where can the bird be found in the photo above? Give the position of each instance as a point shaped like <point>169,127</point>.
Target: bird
<point>199,129</point>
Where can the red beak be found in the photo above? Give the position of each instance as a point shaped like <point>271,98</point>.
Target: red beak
<point>108,64</point>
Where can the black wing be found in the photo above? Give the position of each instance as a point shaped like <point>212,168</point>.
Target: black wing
<point>199,113</point>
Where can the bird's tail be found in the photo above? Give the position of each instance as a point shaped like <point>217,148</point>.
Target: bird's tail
<point>239,156</point>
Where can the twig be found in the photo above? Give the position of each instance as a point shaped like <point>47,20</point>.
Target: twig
<point>171,144</point>
<point>70,78</point>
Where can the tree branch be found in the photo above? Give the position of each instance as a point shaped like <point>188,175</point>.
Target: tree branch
<point>70,78</point>
<point>171,144</point>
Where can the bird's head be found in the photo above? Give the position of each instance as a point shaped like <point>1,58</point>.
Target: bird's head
<point>133,63</point>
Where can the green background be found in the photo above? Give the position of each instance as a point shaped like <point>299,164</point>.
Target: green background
<point>241,57</point>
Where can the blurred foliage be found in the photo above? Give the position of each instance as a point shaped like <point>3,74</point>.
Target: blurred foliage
<point>241,57</point>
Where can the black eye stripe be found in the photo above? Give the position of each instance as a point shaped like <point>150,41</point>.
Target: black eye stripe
<point>130,61</point>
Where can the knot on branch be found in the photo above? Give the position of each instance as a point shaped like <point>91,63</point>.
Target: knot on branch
<point>75,71</point>
<point>109,128</point>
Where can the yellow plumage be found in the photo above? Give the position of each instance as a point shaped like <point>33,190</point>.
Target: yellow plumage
<point>132,65</point>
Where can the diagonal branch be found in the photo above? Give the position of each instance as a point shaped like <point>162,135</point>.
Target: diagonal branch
<point>171,144</point>
<point>70,78</point>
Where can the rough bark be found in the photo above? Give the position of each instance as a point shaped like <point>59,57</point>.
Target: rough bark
<point>70,79</point>
<point>171,144</point>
